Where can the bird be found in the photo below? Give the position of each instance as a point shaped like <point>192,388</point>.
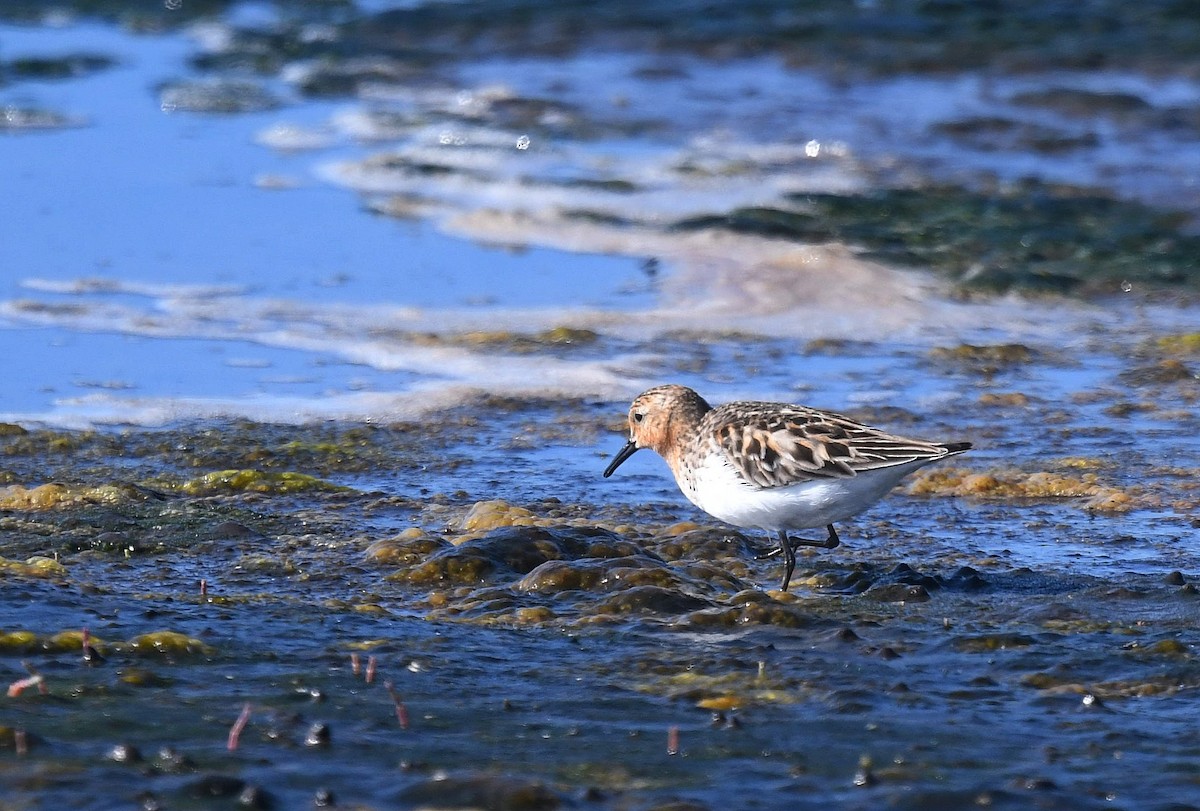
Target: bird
<point>776,467</point>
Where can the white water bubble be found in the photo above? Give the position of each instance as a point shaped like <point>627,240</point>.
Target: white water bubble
<point>523,142</point>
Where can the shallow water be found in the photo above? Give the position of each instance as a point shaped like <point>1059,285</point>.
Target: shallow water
<point>333,378</point>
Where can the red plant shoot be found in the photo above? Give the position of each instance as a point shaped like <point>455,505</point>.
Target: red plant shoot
<point>235,731</point>
<point>33,679</point>
<point>401,710</point>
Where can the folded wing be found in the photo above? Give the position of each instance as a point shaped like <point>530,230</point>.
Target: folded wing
<point>774,447</point>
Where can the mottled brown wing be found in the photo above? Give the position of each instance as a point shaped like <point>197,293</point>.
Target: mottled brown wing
<point>773,445</point>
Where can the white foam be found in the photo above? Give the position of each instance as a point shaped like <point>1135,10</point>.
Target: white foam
<point>296,137</point>
<point>95,284</point>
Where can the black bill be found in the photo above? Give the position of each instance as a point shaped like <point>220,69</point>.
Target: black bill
<point>623,454</point>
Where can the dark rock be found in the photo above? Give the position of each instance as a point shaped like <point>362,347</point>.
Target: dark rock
<point>898,593</point>
<point>493,793</point>
<point>318,735</point>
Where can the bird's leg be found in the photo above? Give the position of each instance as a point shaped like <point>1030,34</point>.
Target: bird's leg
<point>829,543</point>
<point>789,556</point>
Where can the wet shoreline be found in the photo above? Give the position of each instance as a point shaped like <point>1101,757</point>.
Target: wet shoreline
<point>300,493</point>
<point>545,647</point>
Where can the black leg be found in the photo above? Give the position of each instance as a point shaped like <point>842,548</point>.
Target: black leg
<point>830,542</point>
<point>788,548</point>
<point>789,556</point>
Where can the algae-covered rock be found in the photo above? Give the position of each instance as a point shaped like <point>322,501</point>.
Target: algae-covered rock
<point>486,515</point>
<point>255,481</point>
<point>504,553</point>
<point>600,574</point>
<point>67,66</point>
<point>18,641</point>
<point>168,643</point>
<point>742,612</point>
<point>33,567</point>
<point>898,593</point>
<point>1163,372</point>
<point>989,643</point>
<point>1185,343</point>
<point>1019,485</point>
<point>142,677</point>
<point>650,599</point>
<point>707,543</point>
<point>73,640</point>
<point>41,497</point>
<point>1034,238</point>
<point>409,547</point>
<point>985,357</point>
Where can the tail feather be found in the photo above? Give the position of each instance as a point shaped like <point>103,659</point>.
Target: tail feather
<point>956,447</point>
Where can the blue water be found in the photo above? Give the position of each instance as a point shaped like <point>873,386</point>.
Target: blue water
<point>140,196</point>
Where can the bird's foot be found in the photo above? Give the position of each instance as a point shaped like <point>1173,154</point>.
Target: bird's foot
<point>764,554</point>
<point>832,542</point>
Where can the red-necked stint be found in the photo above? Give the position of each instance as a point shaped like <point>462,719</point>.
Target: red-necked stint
<point>773,466</point>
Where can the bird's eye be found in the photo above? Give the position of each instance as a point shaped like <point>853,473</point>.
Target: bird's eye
<point>638,417</point>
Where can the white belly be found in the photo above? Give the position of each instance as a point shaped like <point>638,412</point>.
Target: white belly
<point>717,489</point>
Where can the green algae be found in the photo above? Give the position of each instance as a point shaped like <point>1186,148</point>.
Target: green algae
<point>1187,343</point>
<point>997,132</point>
<point>990,643</point>
<point>1160,685</point>
<point>168,643</point>
<point>648,600</point>
<point>55,495</point>
<point>501,553</point>
<point>324,451</point>
<point>985,358</point>
<point>1088,490</point>
<point>1033,238</point>
<point>601,574</point>
<point>255,481</point>
<point>530,596</point>
<point>1170,648</point>
<point>409,547</point>
<point>742,613</point>
<point>880,38</point>
<point>33,567</point>
<point>69,66</point>
<point>1163,372</point>
<point>142,677</point>
<point>18,441</point>
<point>517,343</point>
<point>18,641</point>
<point>579,705</point>
<point>155,643</point>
